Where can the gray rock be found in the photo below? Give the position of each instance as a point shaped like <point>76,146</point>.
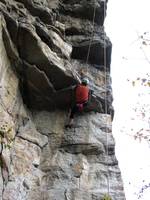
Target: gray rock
<point>85,9</point>
<point>43,55</point>
<point>28,132</point>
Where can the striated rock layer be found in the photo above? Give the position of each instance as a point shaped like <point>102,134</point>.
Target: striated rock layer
<point>46,46</point>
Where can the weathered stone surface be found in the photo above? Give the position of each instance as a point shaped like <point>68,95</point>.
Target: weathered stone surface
<point>43,48</point>
<point>43,54</point>
<point>29,133</point>
<point>36,8</point>
<point>85,9</point>
<point>54,40</point>
<point>83,168</point>
<point>49,123</point>
<point>82,32</point>
<point>1,185</point>
<point>24,173</point>
<point>80,51</point>
<point>36,52</point>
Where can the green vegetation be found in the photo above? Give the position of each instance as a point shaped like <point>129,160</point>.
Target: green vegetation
<point>106,197</point>
<point>6,137</point>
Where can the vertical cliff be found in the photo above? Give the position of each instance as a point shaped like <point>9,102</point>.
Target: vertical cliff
<point>46,46</point>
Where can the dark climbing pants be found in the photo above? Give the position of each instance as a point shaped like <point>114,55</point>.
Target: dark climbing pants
<point>76,109</point>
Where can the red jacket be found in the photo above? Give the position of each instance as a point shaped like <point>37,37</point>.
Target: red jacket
<point>81,93</point>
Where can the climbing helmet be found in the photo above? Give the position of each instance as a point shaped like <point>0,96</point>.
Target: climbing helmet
<point>85,81</point>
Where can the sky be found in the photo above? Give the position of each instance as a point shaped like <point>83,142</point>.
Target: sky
<point>126,21</point>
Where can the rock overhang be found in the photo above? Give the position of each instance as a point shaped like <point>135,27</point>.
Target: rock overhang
<point>42,56</point>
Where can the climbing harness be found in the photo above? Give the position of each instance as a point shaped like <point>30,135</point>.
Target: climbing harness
<point>80,107</point>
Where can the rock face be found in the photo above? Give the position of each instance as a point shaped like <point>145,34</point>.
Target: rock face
<point>46,46</point>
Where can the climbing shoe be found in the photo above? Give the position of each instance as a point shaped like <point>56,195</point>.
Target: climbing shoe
<point>68,126</point>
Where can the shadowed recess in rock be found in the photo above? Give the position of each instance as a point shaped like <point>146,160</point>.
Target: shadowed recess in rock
<point>99,54</point>
<point>41,55</point>
<point>84,9</point>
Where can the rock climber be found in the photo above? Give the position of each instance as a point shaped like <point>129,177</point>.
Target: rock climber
<point>81,100</point>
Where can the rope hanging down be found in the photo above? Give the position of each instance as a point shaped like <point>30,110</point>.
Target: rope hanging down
<point>84,71</point>
<point>92,34</point>
<point>106,196</point>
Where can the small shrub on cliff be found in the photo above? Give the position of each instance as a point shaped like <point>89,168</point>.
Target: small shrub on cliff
<point>6,135</point>
<point>106,197</point>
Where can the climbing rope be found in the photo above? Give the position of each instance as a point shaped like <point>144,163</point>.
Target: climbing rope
<point>92,34</point>
<point>83,72</point>
<point>106,196</point>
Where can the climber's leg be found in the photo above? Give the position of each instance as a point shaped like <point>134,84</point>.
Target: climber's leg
<point>71,117</point>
